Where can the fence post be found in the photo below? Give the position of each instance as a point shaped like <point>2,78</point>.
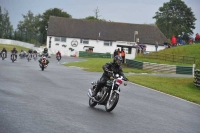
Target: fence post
<point>193,69</point>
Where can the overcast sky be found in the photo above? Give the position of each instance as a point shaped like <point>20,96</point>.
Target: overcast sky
<point>127,11</point>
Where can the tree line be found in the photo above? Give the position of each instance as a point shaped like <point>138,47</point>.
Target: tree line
<point>173,18</point>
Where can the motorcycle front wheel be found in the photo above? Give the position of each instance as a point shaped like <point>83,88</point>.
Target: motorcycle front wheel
<point>92,103</point>
<point>111,104</point>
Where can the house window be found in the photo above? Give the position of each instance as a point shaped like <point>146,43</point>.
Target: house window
<point>85,41</point>
<point>107,43</point>
<point>63,39</point>
<point>57,39</point>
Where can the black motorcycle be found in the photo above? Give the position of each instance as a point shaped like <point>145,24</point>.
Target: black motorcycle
<point>28,57</point>
<point>13,57</point>
<point>58,58</point>
<point>3,55</point>
<point>107,95</point>
<point>35,56</point>
<point>22,55</point>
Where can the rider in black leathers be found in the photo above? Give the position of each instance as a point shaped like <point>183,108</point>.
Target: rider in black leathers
<point>30,51</point>
<point>4,50</point>
<point>35,52</point>
<point>115,67</point>
<point>14,51</point>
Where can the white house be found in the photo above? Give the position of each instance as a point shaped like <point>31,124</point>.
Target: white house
<point>64,34</point>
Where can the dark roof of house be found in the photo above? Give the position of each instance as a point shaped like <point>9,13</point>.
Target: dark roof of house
<point>110,31</point>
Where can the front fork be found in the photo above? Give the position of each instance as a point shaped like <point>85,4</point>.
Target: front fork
<point>117,91</point>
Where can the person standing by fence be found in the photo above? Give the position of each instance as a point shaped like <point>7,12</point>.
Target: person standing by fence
<point>156,46</point>
<point>123,55</point>
<point>173,41</point>
<point>119,52</point>
<point>115,53</point>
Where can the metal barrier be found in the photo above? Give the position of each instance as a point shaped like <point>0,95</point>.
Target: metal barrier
<point>197,78</point>
<point>94,55</point>
<point>171,57</point>
<point>163,68</point>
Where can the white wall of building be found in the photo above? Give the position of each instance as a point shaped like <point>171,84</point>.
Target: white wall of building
<point>98,45</point>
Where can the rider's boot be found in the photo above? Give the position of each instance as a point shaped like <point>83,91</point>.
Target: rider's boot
<point>94,93</point>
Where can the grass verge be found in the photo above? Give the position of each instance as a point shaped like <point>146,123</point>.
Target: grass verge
<point>179,87</point>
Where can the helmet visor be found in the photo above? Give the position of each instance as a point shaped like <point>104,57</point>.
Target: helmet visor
<point>119,62</point>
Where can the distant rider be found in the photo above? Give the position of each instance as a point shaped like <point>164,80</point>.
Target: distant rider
<point>23,53</point>
<point>35,52</point>
<point>14,51</point>
<point>4,50</point>
<point>30,51</point>
<point>58,54</point>
<point>115,67</point>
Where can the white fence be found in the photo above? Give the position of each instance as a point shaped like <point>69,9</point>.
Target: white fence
<point>18,43</point>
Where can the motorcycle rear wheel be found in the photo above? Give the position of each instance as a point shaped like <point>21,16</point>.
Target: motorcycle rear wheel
<point>111,104</point>
<point>42,67</point>
<point>92,103</point>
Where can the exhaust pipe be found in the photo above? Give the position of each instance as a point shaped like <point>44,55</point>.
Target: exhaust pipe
<point>90,92</point>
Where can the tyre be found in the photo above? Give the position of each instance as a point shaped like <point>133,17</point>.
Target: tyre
<point>92,103</point>
<point>111,104</point>
<point>42,67</point>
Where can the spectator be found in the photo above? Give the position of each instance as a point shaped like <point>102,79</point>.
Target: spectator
<point>190,41</point>
<point>168,45</point>
<point>123,55</point>
<point>179,41</point>
<point>165,44</point>
<point>115,53</point>
<point>119,52</point>
<point>156,46</point>
<point>197,38</point>
<point>173,41</point>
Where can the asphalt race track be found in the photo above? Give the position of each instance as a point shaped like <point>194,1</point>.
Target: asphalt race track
<point>55,101</point>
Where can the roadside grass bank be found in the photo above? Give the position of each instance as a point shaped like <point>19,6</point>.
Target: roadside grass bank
<point>191,50</point>
<point>10,47</point>
<point>179,87</point>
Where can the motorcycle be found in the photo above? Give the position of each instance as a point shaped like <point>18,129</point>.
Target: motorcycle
<point>58,58</point>
<point>29,57</point>
<point>43,63</point>
<point>3,55</point>
<point>22,55</point>
<point>107,95</point>
<point>13,57</point>
<point>35,56</point>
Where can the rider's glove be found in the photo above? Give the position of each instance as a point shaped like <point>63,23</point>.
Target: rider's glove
<point>126,79</point>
